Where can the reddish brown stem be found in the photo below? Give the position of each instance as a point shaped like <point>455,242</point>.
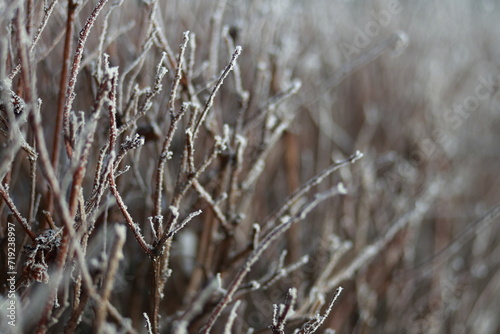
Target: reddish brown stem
<point>17,214</point>
<point>63,82</point>
<point>75,69</point>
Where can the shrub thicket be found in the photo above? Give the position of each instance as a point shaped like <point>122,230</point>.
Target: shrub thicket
<point>248,166</point>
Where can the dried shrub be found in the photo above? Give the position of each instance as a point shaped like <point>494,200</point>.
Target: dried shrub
<point>188,166</point>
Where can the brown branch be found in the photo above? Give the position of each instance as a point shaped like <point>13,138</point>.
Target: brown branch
<point>75,69</point>
<point>128,218</point>
<point>216,88</point>
<point>256,254</point>
<point>292,199</point>
<point>79,173</point>
<point>174,119</point>
<point>47,12</point>
<point>281,312</point>
<point>116,254</point>
<point>15,212</point>
<point>63,82</point>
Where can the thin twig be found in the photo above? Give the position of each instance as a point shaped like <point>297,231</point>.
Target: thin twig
<point>292,199</point>
<point>75,69</point>
<point>128,218</point>
<point>282,311</point>
<point>116,255</point>
<point>232,317</point>
<point>164,156</point>
<point>256,254</point>
<point>366,254</point>
<point>315,323</point>
<point>63,83</point>
<point>216,88</point>
<point>16,213</point>
<point>47,13</point>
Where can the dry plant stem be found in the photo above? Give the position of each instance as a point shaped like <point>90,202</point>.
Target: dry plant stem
<point>232,317</point>
<point>29,16</point>
<point>215,27</point>
<point>102,38</point>
<point>364,59</point>
<point>157,292</point>
<point>218,84</point>
<point>191,58</point>
<point>76,314</point>
<point>15,212</point>
<point>292,199</point>
<point>261,86</point>
<point>50,175</point>
<point>292,161</point>
<point>202,253</point>
<point>128,218</point>
<point>136,64</point>
<point>243,94</point>
<point>208,198</point>
<point>78,175</point>
<point>184,187</point>
<point>347,69</point>
<point>314,324</point>
<point>47,12</point>
<point>24,57</point>
<point>421,208</point>
<point>164,155</point>
<point>162,41</point>
<point>182,224</point>
<point>234,178</point>
<point>271,105</point>
<point>188,159</point>
<point>282,272</point>
<point>63,304</point>
<point>146,104</point>
<point>195,307</point>
<point>148,326</point>
<point>263,245</point>
<point>472,230</point>
<point>112,37</point>
<point>30,103</point>
<point>108,86</point>
<point>69,236</point>
<point>172,229</point>
<point>281,312</point>
<point>178,74</point>
<point>152,12</point>
<point>75,69</point>
<point>98,179</point>
<point>63,83</point>
<point>164,244</point>
<point>160,276</point>
<point>116,254</point>
<point>56,278</point>
<point>112,110</point>
<point>64,214</point>
<point>160,264</point>
<point>135,67</point>
<point>207,255</point>
<point>337,252</point>
<point>99,186</point>
<point>257,165</point>
<point>80,299</point>
<point>33,162</point>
